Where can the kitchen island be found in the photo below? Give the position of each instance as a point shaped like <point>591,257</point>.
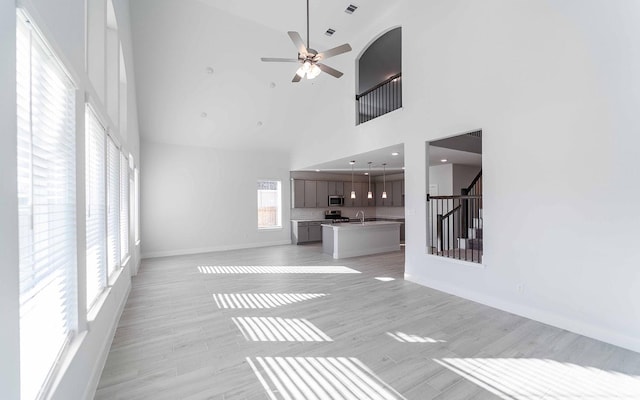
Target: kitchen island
<point>359,239</point>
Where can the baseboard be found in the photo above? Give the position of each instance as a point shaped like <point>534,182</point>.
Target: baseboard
<point>184,252</point>
<point>94,380</point>
<point>543,316</point>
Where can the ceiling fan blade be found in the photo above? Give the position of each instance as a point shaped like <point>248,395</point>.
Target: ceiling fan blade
<point>298,42</point>
<point>333,52</point>
<point>296,78</point>
<point>272,59</point>
<point>331,71</point>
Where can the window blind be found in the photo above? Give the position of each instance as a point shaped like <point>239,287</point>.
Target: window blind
<point>47,208</point>
<point>113,206</point>
<point>124,208</point>
<point>96,207</point>
<point>136,203</point>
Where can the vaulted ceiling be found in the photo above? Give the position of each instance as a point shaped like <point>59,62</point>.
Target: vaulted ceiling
<point>200,80</point>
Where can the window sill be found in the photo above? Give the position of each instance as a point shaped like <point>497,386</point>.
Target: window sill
<point>93,312</point>
<point>275,228</point>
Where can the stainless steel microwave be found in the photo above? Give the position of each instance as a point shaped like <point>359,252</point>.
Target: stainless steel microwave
<point>336,201</point>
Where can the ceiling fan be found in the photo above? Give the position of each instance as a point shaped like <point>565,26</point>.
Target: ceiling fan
<point>310,58</point>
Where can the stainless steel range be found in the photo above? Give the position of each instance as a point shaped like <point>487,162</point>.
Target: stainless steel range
<point>335,216</point>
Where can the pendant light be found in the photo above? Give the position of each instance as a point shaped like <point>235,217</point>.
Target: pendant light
<point>384,181</point>
<point>353,192</point>
<point>369,194</point>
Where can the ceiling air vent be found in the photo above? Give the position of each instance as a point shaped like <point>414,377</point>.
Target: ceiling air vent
<point>351,9</point>
<point>330,32</point>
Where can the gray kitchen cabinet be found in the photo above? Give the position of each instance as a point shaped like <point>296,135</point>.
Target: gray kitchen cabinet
<point>297,191</point>
<point>357,187</point>
<point>315,231</point>
<point>380,187</point>
<point>310,194</point>
<point>306,231</point>
<point>335,188</point>
<point>322,194</point>
<point>397,197</point>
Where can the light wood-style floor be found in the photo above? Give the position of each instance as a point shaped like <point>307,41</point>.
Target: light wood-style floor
<point>192,329</point>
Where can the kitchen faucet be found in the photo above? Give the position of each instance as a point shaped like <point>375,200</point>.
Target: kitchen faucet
<point>362,217</point>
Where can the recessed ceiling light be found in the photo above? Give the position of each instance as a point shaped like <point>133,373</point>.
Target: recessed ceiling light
<point>272,85</point>
<point>395,153</point>
<point>366,173</point>
<point>209,70</point>
<point>352,162</point>
<point>259,123</point>
<point>443,160</point>
<point>330,32</point>
<point>203,115</point>
<point>317,170</point>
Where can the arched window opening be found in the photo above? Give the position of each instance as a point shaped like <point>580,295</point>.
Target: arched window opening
<point>379,83</point>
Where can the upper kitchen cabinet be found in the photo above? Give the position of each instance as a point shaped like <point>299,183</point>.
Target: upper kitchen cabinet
<point>310,193</point>
<point>356,187</point>
<point>297,191</point>
<point>335,188</point>
<point>322,194</point>
<point>394,194</point>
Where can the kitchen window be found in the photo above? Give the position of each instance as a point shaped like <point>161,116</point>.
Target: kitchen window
<point>269,204</point>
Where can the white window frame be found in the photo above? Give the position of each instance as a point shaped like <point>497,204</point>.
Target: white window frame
<point>46,103</point>
<point>96,206</point>
<point>277,194</point>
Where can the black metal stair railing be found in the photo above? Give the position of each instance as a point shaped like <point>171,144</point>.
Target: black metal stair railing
<point>380,99</point>
<point>456,224</point>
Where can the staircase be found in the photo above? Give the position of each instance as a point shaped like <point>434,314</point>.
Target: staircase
<point>456,223</point>
<point>473,241</point>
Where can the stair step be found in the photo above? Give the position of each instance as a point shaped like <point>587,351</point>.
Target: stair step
<point>470,244</point>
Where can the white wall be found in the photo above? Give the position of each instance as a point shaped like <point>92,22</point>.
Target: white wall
<point>63,25</point>
<point>552,85</point>
<point>463,175</point>
<point>199,199</point>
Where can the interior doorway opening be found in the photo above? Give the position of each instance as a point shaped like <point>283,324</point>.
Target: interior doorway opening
<point>454,202</point>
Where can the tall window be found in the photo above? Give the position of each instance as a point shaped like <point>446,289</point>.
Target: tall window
<point>269,205</point>
<point>124,208</point>
<point>96,207</point>
<point>136,204</point>
<point>47,208</point>
<point>113,206</point>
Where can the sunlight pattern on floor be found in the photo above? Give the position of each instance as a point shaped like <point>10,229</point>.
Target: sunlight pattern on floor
<point>275,269</point>
<point>262,300</point>
<point>407,338</point>
<point>311,378</point>
<point>533,378</point>
<point>275,329</point>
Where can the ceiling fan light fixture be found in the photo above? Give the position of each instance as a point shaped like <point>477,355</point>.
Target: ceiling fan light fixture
<point>314,71</point>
